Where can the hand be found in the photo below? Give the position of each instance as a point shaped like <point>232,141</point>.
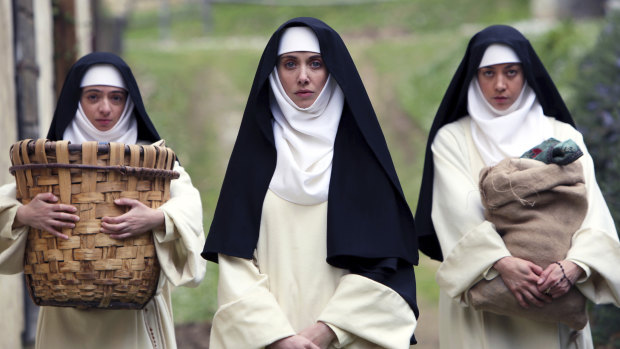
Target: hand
<point>293,342</point>
<point>554,282</point>
<point>44,214</point>
<point>521,277</point>
<point>138,220</point>
<point>320,334</point>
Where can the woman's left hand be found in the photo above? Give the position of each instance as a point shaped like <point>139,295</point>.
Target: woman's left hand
<point>320,334</point>
<point>556,282</point>
<point>138,220</point>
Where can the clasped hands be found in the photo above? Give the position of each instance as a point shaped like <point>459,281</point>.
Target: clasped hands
<point>530,284</point>
<point>44,213</point>
<point>317,336</point>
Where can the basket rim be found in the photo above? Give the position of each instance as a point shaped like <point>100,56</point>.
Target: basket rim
<point>102,148</point>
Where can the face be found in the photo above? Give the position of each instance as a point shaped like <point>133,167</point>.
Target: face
<point>501,84</point>
<point>103,105</point>
<point>303,76</point>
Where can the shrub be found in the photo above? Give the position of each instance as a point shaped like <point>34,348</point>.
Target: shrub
<point>597,112</point>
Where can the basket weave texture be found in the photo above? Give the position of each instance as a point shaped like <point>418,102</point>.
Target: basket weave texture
<point>90,269</point>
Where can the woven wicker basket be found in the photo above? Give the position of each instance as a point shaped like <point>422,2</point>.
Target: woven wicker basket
<point>91,270</point>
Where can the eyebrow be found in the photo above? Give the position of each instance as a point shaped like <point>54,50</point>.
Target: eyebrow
<point>285,56</point>
<point>92,89</point>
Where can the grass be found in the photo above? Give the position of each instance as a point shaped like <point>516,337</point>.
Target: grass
<point>195,84</point>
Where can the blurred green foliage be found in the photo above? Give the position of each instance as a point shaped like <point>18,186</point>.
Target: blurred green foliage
<point>596,109</point>
<point>263,17</point>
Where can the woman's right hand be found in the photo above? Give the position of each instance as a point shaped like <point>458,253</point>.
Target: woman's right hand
<point>521,277</point>
<point>45,214</point>
<point>293,342</point>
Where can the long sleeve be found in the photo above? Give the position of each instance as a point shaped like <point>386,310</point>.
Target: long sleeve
<point>470,244</point>
<point>248,315</point>
<point>179,244</point>
<point>370,313</point>
<point>12,241</point>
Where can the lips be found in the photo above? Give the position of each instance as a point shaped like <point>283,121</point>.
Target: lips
<point>304,93</point>
<point>104,122</point>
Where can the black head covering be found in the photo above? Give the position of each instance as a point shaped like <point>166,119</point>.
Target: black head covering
<point>71,92</point>
<point>454,106</point>
<point>369,224</point>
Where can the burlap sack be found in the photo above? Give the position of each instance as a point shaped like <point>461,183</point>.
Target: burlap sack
<point>537,208</point>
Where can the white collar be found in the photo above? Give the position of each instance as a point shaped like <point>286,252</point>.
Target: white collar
<point>304,139</point>
<point>506,133</point>
<point>81,130</point>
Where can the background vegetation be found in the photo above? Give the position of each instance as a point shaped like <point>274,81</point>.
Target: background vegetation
<point>196,82</point>
<point>598,113</point>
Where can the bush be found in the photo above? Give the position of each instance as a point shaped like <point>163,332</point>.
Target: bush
<point>597,112</point>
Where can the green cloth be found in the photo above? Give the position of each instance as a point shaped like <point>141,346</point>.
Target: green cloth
<point>553,151</point>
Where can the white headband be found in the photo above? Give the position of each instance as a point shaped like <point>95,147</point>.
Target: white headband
<point>298,39</point>
<point>103,74</point>
<point>498,54</point>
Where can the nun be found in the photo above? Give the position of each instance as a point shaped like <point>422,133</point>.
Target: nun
<point>500,103</point>
<point>100,101</point>
<point>313,236</point>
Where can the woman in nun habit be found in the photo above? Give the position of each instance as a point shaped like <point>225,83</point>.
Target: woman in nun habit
<point>100,101</point>
<point>501,103</point>
<point>314,238</point>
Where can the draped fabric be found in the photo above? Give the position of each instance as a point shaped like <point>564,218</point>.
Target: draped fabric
<point>304,139</point>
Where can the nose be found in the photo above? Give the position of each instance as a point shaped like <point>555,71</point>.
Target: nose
<point>303,78</point>
<point>500,83</point>
<point>104,106</point>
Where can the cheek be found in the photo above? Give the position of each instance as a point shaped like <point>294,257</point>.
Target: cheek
<point>288,81</point>
<point>519,83</point>
<point>487,88</point>
<point>90,110</point>
<point>118,111</point>
<point>321,78</point>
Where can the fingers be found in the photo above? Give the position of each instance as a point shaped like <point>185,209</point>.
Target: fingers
<point>113,228</point>
<point>65,217</point>
<point>120,236</point>
<point>543,277</point>
<point>58,234</point>
<point>521,301</point>
<point>47,197</point>
<point>536,268</point>
<point>64,208</point>
<point>560,288</point>
<point>110,221</point>
<point>127,202</point>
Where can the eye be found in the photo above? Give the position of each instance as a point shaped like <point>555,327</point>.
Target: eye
<point>91,97</point>
<point>487,73</point>
<point>512,72</point>
<point>316,64</point>
<point>289,64</point>
<point>117,99</point>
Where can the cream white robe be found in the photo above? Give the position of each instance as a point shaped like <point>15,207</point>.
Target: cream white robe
<point>471,246</point>
<point>289,286</point>
<point>178,249</point>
